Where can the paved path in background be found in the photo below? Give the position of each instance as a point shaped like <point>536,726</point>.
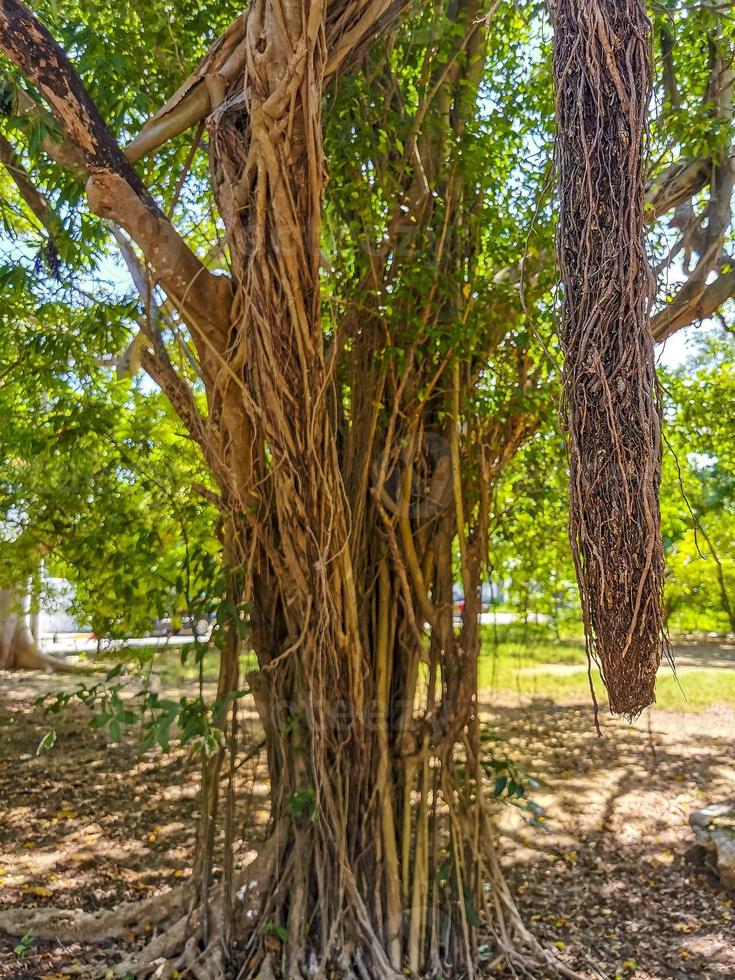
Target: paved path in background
<point>61,643</point>
<point>86,643</point>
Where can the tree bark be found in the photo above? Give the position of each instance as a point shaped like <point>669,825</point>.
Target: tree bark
<point>345,484</point>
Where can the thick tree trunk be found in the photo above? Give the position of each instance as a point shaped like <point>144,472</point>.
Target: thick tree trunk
<point>370,721</point>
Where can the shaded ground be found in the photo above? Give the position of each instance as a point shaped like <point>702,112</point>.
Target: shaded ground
<point>89,825</point>
<point>608,880</point>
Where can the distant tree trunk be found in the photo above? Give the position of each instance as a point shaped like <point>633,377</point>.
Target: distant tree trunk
<point>18,648</point>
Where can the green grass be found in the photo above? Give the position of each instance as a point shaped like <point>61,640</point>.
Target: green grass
<point>176,666</point>
<point>519,668</point>
<point>537,666</point>
<point>695,690</point>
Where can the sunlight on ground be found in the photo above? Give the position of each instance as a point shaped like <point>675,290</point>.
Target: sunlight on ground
<point>89,824</point>
<point>705,673</point>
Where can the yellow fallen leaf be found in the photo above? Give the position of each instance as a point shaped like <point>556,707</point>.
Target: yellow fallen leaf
<point>38,890</point>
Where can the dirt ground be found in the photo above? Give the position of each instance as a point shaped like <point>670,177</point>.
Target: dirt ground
<point>605,881</point>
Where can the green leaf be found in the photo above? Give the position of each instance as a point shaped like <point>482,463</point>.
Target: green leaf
<point>273,928</point>
<point>47,742</point>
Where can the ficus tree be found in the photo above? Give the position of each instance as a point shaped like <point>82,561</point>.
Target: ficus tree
<point>98,484</point>
<point>340,231</point>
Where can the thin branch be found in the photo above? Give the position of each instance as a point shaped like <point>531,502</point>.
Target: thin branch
<point>157,363</point>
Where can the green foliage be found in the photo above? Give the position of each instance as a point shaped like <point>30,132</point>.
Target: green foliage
<point>699,509</point>
<point>22,947</point>
<point>530,552</point>
<point>302,803</point>
<point>272,928</point>
<point>97,479</point>
<point>47,742</point>
<point>119,706</point>
<point>511,784</point>
<point>497,155</point>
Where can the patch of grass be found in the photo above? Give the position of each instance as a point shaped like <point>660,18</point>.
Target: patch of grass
<point>695,690</point>
<point>558,671</point>
<point>178,665</point>
<point>506,664</point>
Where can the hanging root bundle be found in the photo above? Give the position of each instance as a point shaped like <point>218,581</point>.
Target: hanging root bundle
<point>602,69</point>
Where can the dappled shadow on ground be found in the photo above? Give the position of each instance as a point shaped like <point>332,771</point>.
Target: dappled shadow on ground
<point>88,822</point>
<point>608,881</point>
<point>705,653</point>
<point>87,825</point>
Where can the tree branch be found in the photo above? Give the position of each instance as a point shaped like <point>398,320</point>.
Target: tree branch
<point>115,190</point>
<point>697,304</point>
<point>196,98</point>
<point>351,27</point>
<point>678,183</point>
<point>697,298</point>
<point>156,362</point>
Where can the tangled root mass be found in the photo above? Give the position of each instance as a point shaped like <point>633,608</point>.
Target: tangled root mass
<point>602,67</point>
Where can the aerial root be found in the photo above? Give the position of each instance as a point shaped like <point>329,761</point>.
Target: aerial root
<point>167,952</point>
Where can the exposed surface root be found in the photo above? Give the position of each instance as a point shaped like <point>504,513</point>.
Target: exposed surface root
<point>31,658</point>
<point>166,952</point>
<point>74,925</point>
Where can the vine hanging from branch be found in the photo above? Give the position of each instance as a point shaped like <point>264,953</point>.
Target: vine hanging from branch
<point>603,75</point>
